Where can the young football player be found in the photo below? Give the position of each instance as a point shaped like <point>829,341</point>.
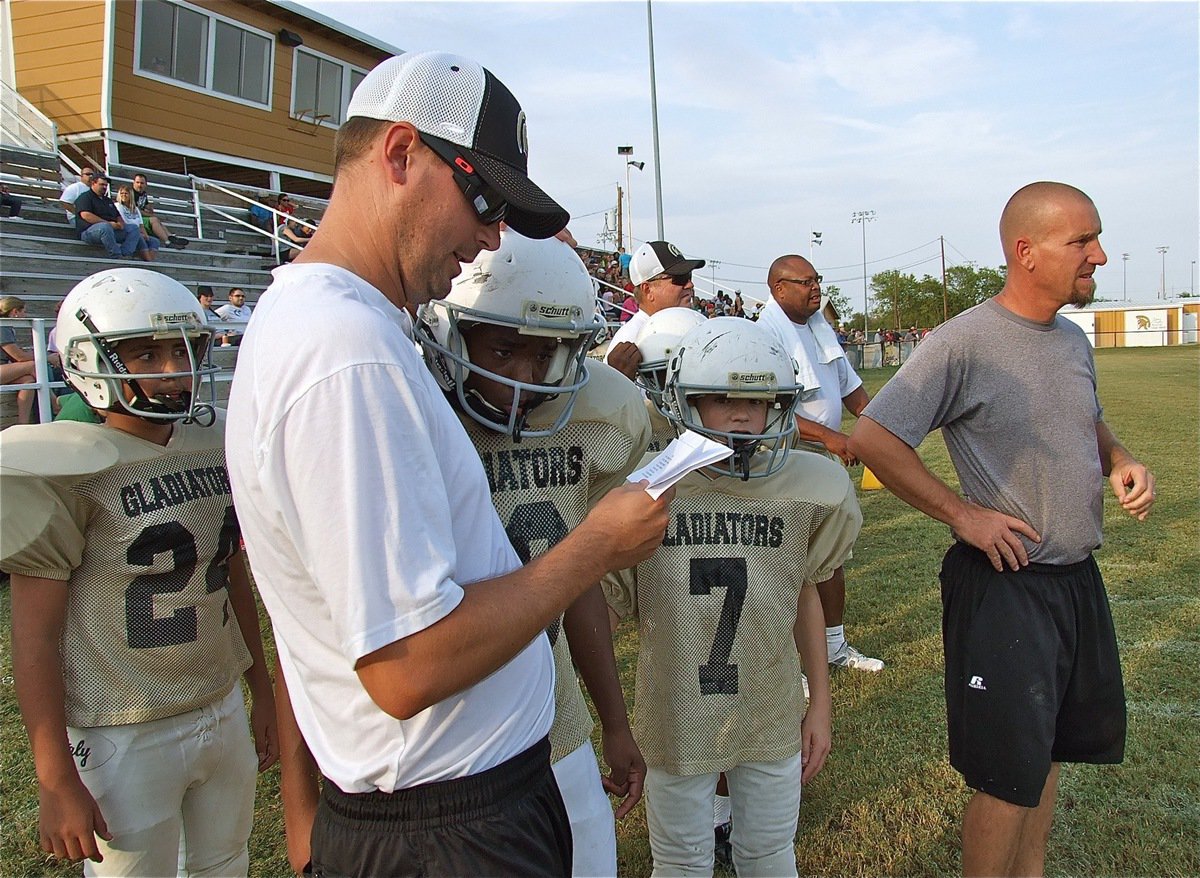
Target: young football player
<point>726,602</point>
<point>132,613</point>
<point>656,343</point>
<point>556,431</point>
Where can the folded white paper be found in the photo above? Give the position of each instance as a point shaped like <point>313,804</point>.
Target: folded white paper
<point>685,454</point>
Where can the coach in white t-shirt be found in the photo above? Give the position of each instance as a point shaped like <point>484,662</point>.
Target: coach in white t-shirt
<point>410,636</point>
<point>662,278</point>
<point>793,313</point>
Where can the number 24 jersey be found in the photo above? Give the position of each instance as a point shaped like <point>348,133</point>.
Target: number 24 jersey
<point>142,535</point>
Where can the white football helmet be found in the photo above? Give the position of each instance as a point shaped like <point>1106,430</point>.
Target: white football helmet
<point>539,288</point>
<point>122,303</point>
<point>732,356</point>
<point>657,341</point>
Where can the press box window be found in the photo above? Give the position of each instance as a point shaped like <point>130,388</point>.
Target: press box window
<point>322,88</point>
<point>211,53</point>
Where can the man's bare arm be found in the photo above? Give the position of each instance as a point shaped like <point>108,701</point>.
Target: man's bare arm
<point>497,618</point>
<point>299,787</point>
<point>834,442</point>
<point>900,468</point>
<point>1131,481</point>
<point>586,627</point>
<point>856,400</point>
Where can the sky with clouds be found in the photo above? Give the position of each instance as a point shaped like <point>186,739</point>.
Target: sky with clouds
<point>778,119</point>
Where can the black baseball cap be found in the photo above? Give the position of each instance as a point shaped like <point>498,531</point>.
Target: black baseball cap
<point>457,100</point>
<point>658,257</point>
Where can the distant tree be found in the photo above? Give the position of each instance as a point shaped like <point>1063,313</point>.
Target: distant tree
<point>900,300</point>
<point>840,302</point>
<point>967,286</point>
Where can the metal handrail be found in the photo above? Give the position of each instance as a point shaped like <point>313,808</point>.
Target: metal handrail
<point>202,183</point>
<point>46,136</point>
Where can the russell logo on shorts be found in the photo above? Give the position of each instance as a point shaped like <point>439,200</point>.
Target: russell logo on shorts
<point>977,683</point>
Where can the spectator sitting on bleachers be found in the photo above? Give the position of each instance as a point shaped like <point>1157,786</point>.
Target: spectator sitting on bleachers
<point>132,217</point>
<point>204,295</point>
<point>150,221</point>
<point>260,214</point>
<point>98,222</point>
<point>285,205</point>
<point>629,306</point>
<point>72,191</point>
<point>10,201</point>
<point>237,310</point>
<point>16,362</point>
<point>298,235</point>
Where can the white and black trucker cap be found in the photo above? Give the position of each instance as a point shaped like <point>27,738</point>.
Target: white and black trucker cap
<point>454,98</point>
<point>658,257</point>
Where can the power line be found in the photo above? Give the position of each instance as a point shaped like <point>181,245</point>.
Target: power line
<point>838,267</point>
<point>959,252</point>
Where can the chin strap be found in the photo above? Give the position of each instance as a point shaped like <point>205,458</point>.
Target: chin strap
<point>742,453</point>
<point>486,410</point>
<point>202,414</point>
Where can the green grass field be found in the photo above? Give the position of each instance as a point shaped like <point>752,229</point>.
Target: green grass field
<point>887,802</point>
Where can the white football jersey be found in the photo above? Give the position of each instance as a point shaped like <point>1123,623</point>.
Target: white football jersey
<point>142,535</point>
<point>543,487</point>
<point>662,431</point>
<point>718,677</point>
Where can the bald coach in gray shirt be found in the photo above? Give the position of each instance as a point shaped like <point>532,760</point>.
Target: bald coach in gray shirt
<point>1033,678</point>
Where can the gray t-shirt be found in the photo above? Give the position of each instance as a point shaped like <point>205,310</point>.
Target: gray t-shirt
<point>1016,401</point>
<point>8,335</point>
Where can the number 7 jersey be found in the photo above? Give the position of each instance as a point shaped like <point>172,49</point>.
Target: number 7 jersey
<point>718,675</point>
<point>141,535</point>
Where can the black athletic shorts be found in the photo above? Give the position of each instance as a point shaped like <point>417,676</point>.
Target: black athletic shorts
<point>1032,672</point>
<point>508,820</point>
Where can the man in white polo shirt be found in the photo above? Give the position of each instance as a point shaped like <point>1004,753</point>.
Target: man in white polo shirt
<point>793,313</point>
<point>410,636</point>
<point>662,278</point>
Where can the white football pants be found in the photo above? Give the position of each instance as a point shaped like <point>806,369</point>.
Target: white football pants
<point>766,807</point>
<point>177,793</point>
<point>593,829</point>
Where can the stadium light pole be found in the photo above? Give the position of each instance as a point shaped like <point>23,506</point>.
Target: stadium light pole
<point>625,152</point>
<point>1163,286</point>
<point>654,120</point>
<point>863,217</point>
<point>1124,277</point>
<point>629,197</point>
<point>1193,277</point>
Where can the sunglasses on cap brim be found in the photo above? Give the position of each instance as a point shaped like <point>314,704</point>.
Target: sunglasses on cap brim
<point>489,204</point>
<point>680,280</point>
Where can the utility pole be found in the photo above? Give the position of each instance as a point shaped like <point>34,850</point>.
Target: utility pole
<point>945,294</point>
<point>620,218</point>
<point>1124,277</point>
